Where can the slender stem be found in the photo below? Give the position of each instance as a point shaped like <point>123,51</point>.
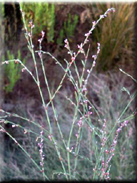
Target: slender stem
<point>24,151</point>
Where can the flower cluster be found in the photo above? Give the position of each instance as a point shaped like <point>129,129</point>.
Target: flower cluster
<point>50,137</point>
<point>31,25</point>
<point>41,39</point>
<point>66,44</point>
<point>40,144</point>
<point>80,122</point>
<point>116,137</point>
<point>84,89</point>
<point>73,54</point>
<point>95,56</point>
<point>80,47</point>
<point>104,133</point>
<point>106,13</point>
<point>110,153</point>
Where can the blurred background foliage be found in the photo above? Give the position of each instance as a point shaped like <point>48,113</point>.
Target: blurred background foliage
<point>115,33</point>
<point>60,21</point>
<point>43,17</point>
<point>72,21</point>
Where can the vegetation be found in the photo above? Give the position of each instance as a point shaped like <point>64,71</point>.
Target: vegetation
<point>75,136</point>
<point>68,29</point>
<point>43,16</point>
<point>116,37</point>
<point>12,70</point>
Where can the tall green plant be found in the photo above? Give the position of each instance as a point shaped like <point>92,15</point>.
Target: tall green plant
<point>68,29</point>
<point>12,71</point>
<point>42,15</point>
<point>70,25</point>
<point>50,21</point>
<point>61,37</point>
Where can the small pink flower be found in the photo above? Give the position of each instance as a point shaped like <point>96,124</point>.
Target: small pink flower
<point>66,41</point>
<point>72,59</point>
<point>43,33</point>
<point>41,163</point>
<point>125,123</point>
<point>106,151</point>
<point>94,23</point>
<point>32,26</point>
<point>98,48</point>
<point>39,40</point>
<point>40,55</point>
<point>85,101</point>
<point>98,44</point>
<point>50,137</point>
<point>6,62</point>
<point>23,69</point>
<point>79,123</point>
<point>69,52</point>
<point>87,34</point>
<point>118,130</point>
<point>94,63</point>
<point>90,107</point>
<point>94,56</point>
<point>80,48</point>
<point>89,112</point>
<point>101,16</point>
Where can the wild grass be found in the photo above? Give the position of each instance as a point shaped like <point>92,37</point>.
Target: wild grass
<point>74,138</point>
<point>115,34</point>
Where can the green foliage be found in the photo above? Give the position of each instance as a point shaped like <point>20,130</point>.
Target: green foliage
<point>2,8</point>
<point>68,29</point>
<point>50,21</point>
<point>12,70</point>
<point>43,17</point>
<point>61,38</point>
<point>70,25</point>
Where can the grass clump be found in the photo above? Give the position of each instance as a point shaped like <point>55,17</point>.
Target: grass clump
<point>117,37</point>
